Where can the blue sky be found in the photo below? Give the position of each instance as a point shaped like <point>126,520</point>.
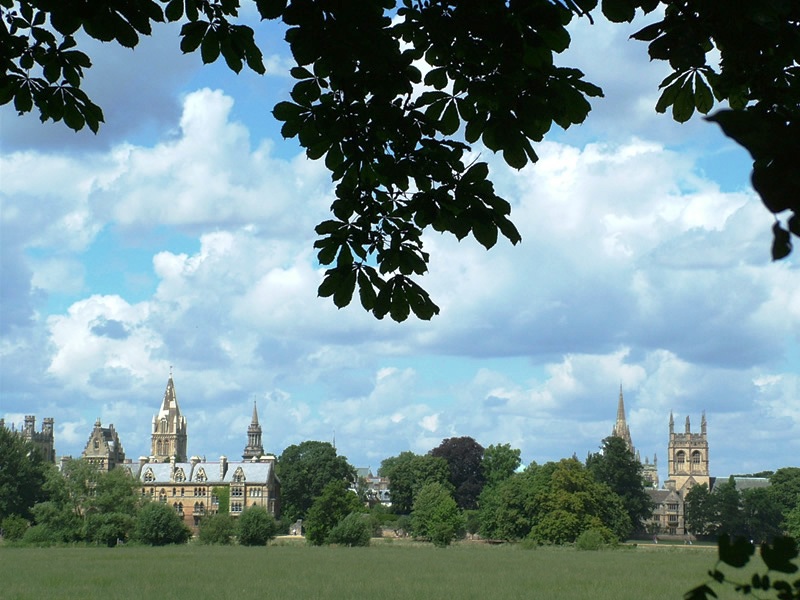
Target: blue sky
<point>181,236</point>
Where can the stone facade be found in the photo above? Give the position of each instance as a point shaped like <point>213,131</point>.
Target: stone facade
<point>169,439</point>
<point>688,456</point>
<point>104,449</point>
<point>44,440</point>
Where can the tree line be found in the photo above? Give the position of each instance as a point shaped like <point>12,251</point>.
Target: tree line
<point>457,488</point>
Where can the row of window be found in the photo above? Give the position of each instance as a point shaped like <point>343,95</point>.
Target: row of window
<point>180,475</point>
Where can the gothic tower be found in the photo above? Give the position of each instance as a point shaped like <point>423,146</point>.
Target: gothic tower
<point>169,429</point>
<point>688,456</point>
<point>622,430</point>
<point>254,449</point>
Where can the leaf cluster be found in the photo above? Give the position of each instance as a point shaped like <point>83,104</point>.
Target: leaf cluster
<point>780,557</point>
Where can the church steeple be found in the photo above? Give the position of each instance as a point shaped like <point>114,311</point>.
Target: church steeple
<point>621,428</point>
<point>254,449</point>
<point>169,428</point>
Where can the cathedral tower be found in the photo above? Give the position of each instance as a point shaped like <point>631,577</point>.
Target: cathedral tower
<point>688,456</point>
<point>169,429</point>
<point>254,449</point>
<point>622,430</point>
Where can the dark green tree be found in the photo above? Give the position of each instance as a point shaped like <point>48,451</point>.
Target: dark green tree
<point>159,525</point>
<point>22,475</point>
<point>699,511</point>
<point>784,485</point>
<point>304,471</point>
<point>436,516</point>
<point>255,527</point>
<point>617,467</point>
<point>726,501</point>
<point>398,144</point>
<point>333,505</point>
<point>464,458</point>
<point>407,473</point>
<point>500,461</point>
<point>217,528</point>
<point>109,512</point>
<point>761,515</point>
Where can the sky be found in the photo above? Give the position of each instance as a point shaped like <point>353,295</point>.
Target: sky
<point>179,239</point>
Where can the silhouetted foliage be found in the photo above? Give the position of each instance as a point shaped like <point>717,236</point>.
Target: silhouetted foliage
<point>399,144</point>
<point>464,458</point>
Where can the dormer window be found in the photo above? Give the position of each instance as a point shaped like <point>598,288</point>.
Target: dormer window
<point>238,476</point>
<point>149,476</point>
<point>201,475</point>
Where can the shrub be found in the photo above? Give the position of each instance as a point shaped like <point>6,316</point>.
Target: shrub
<point>14,528</point>
<point>256,527</point>
<point>158,525</point>
<point>353,530</point>
<point>40,535</point>
<point>593,539</point>
<point>436,515</point>
<point>217,529</point>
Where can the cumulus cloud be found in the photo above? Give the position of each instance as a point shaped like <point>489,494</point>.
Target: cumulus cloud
<point>635,269</point>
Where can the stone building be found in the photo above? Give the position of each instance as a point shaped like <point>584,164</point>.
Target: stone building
<point>44,440</point>
<point>193,487</point>
<point>104,449</point>
<point>688,456</point>
<point>169,437</point>
<point>687,467</point>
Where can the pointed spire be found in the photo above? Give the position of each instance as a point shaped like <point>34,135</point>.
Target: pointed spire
<point>255,414</point>
<point>671,423</point>
<point>688,425</point>
<point>703,424</point>
<point>621,428</point>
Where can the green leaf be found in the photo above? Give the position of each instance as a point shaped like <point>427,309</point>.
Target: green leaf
<point>737,553</point>
<point>72,116</point>
<point>286,111</point>
<point>437,78</point>
<point>174,10</point>
<point>703,98</point>
<point>209,47</point>
<point>330,283</point>
<point>683,107</point>
<point>344,291</point>
<point>701,592</point>
<point>270,9</point>
<point>619,11</point>
<point>779,555</point>
<point>485,231</point>
<point>400,308</point>
<point>366,291</point>
<point>449,123</point>
<point>192,35</point>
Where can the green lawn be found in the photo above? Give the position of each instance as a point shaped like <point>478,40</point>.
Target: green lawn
<point>384,571</point>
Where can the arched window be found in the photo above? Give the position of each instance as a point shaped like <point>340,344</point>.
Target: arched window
<point>696,459</point>
<point>180,475</point>
<point>159,447</point>
<point>238,476</point>
<point>680,460</point>
<point>148,475</point>
<point>201,475</point>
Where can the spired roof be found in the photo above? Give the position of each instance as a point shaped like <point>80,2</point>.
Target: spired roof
<point>252,472</point>
<point>169,406</point>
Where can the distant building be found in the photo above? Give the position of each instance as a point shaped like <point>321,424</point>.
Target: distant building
<point>688,456</point>
<point>104,450</point>
<point>44,440</point>
<point>622,430</point>
<point>375,488</point>
<point>192,487</point>
<point>169,437</point>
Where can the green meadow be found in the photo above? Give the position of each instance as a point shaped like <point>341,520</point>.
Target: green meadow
<point>384,571</point>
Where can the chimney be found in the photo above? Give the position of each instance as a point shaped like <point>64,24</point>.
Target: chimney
<point>223,467</point>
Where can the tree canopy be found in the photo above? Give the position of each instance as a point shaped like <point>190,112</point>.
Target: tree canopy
<point>408,473</point>
<point>304,470</point>
<point>22,475</point>
<point>617,467</point>
<point>397,142</point>
<point>464,458</point>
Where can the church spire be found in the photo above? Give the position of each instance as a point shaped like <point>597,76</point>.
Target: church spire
<point>169,438</point>
<point>621,428</point>
<point>254,449</point>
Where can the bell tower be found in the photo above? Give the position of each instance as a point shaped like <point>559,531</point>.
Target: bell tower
<point>169,428</point>
<point>688,455</point>
<point>254,448</point>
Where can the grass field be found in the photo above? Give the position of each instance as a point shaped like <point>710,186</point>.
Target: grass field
<point>384,571</point>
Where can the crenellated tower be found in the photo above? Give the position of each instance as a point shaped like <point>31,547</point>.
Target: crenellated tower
<point>688,455</point>
<point>169,429</point>
<point>254,448</point>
